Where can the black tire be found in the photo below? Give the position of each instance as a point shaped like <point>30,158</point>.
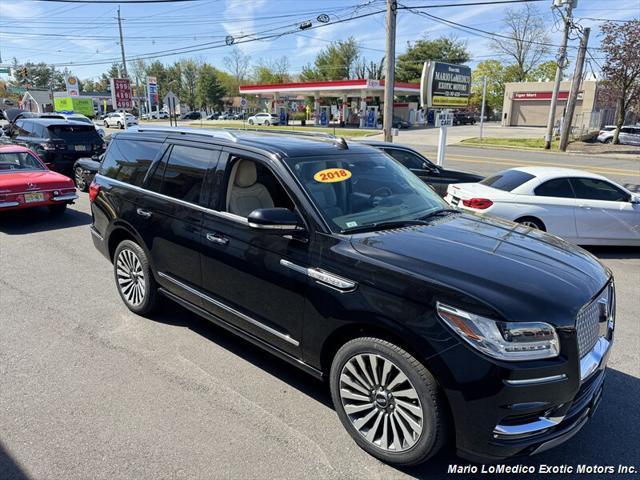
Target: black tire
<point>608,140</point>
<point>532,222</point>
<point>140,304</point>
<point>78,178</point>
<point>120,126</point>
<point>431,403</point>
<point>250,122</point>
<point>266,123</point>
<point>58,209</point>
<point>106,124</point>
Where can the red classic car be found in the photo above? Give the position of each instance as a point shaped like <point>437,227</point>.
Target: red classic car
<point>26,182</point>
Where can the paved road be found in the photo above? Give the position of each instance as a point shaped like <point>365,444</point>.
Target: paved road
<point>90,390</point>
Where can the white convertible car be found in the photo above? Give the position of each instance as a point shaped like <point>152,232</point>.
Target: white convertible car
<point>581,207</point>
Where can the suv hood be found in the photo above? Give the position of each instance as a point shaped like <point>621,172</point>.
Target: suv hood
<point>522,274</point>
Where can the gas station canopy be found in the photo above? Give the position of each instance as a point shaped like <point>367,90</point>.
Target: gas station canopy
<point>331,88</point>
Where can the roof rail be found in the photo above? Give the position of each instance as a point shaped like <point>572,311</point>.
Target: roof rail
<point>286,132</point>
<point>204,132</point>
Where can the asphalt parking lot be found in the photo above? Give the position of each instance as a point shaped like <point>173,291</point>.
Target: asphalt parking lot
<point>90,390</point>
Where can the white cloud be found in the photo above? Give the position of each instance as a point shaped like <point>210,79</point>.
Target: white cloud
<point>240,16</point>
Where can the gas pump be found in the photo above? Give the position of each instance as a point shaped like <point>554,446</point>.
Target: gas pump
<point>325,115</point>
<point>372,116</point>
<point>283,114</point>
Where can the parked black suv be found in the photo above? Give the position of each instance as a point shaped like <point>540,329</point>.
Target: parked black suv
<point>428,323</point>
<point>59,143</point>
<point>433,175</point>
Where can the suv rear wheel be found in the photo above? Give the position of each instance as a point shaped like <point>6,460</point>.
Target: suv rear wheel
<point>388,401</point>
<point>134,278</point>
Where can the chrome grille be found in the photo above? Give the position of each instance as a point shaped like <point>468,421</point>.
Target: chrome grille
<point>589,318</point>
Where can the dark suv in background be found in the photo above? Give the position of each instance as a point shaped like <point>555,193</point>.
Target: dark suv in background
<point>59,143</point>
<point>429,324</point>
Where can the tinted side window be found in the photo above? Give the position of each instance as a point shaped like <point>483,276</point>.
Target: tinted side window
<point>559,187</point>
<point>408,159</point>
<point>128,161</point>
<point>185,172</point>
<point>594,189</point>
<point>507,180</point>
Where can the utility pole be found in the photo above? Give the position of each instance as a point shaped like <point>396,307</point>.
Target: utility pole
<point>562,62</point>
<point>484,96</point>
<point>389,77</point>
<point>124,61</point>
<point>573,94</point>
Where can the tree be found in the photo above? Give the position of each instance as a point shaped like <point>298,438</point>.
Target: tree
<point>335,62</point>
<point>544,72</point>
<point>275,71</point>
<point>189,70</point>
<point>527,40</point>
<point>39,76</point>
<point>443,49</point>
<point>372,69</point>
<point>237,64</point>
<point>496,75</point>
<point>209,91</point>
<point>621,68</point>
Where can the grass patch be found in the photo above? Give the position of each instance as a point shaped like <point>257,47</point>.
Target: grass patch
<point>535,143</point>
<point>339,132</point>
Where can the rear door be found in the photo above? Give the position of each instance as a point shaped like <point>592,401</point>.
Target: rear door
<point>170,215</point>
<point>555,205</point>
<point>604,212</point>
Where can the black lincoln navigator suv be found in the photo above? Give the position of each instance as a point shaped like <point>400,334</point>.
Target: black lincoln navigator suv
<point>429,324</point>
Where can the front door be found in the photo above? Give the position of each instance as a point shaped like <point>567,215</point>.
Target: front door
<point>604,212</point>
<point>244,270</point>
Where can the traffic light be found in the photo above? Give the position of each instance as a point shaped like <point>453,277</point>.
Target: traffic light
<point>24,72</point>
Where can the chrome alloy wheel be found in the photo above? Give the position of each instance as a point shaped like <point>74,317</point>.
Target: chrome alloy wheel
<point>130,276</point>
<point>381,403</point>
<point>530,224</point>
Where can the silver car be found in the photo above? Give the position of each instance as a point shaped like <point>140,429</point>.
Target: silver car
<point>629,134</point>
<point>264,119</point>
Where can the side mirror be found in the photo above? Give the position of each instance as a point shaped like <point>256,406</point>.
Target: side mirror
<point>276,220</point>
<point>635,199</point>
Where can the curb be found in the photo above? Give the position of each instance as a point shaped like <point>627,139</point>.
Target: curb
<point>621,156</point>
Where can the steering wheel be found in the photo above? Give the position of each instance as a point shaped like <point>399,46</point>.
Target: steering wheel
<point>378,193</point>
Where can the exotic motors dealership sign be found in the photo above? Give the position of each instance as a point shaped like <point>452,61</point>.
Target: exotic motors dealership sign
<point>445,85</point>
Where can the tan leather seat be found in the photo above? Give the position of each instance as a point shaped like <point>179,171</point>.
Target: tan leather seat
<point>246,194</point>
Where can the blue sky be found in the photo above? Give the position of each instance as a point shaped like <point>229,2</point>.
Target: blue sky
<point>59,33</point>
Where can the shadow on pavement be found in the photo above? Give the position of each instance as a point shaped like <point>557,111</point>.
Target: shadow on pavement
<point>173,314</point>
<point>9,468</point>
<point>33,220</point>
<point>614,252</point>
<point>607,439</point>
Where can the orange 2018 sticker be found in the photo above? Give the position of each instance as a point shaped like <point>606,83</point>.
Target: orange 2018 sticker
<point>331,175</point>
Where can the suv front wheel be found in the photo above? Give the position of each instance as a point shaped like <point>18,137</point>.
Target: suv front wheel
<point>134,279</point>
<point>388,401</point>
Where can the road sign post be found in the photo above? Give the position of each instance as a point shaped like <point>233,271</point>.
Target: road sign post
<point>171,101</point>
<point>444,120</point>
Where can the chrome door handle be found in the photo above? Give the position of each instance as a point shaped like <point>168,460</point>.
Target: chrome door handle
<point>143,213</point>
<point>215,238</point>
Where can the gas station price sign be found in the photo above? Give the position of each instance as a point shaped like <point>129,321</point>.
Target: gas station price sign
<point>445,85</point>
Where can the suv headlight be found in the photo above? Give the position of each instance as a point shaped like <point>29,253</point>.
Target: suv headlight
<point>511,341</point>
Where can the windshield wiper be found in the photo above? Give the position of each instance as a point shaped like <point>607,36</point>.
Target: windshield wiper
<point>442,211</point>
<point>383,226</point>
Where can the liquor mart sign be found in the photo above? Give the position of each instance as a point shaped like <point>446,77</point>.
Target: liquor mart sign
<point>121,93</point>
<point>445,85</point>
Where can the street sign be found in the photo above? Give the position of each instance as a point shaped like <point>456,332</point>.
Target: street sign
<point>72,86</point>
<point>445,85</point>
<point>444,119</point>
<point>5,70</point>
<point>243,103</point>
<point>170,99</point>
<point>121,97</point>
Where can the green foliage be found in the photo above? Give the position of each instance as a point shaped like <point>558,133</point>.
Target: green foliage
<point>443,49</point>
<point>335,62</point>
<point>209,90</point>
<point>272,72</point>
<point>39,75</point>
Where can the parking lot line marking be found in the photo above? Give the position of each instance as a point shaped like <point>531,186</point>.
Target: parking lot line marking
<point>524,163</point>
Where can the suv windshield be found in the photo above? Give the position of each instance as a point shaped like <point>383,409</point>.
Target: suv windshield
<point>357,191</point>
<point>74,133</point>
<point>11,161</point>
